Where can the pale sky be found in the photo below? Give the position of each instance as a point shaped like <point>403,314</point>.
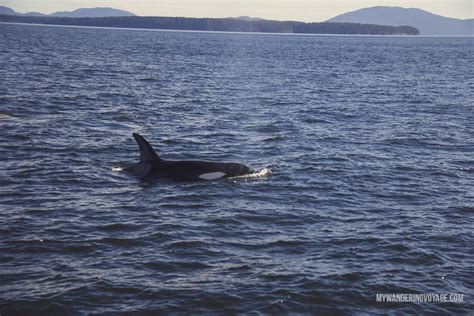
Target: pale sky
<point>300,10</point>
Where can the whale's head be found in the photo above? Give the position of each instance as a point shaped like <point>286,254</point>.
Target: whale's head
<point>236,169</point>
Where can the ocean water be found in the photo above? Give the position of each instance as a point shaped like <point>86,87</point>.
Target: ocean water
<point>370,141</point>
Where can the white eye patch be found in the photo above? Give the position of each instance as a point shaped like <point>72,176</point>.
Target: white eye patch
<point>212,175</point>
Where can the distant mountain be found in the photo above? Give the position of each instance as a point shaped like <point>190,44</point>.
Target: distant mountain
<point>427,23</point>
<point>92,13</point>
<point>34,14</point>
<point>7,11</point>
<point>79,13</point>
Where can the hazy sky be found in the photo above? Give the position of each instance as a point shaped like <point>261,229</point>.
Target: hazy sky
<point>302,10</point>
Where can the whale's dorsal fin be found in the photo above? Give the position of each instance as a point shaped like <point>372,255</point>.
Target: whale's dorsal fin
<point>147,154</point>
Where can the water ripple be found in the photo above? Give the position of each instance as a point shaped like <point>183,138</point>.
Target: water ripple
<point>368,139</point>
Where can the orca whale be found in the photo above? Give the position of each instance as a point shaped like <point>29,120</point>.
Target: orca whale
<point>151,165</point>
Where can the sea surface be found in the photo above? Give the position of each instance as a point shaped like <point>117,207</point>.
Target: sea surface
<point>370,143</point>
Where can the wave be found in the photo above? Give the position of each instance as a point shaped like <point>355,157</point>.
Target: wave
<point>265,172</point>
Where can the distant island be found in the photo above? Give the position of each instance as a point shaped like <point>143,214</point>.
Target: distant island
<point>215,24</point>
<point>378,20</point>
<point>78,13</point>
<point>427,23</point>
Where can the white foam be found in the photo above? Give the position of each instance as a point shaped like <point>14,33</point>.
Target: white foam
<point>265,172</point>
<point>4,116</point>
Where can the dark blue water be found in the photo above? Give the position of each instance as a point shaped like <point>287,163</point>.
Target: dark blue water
<point>370,141</point>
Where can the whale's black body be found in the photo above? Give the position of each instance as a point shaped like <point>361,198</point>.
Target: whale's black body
<point>151,165</point>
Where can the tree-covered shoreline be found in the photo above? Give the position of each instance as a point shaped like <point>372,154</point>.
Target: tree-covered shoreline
<point>218,24</point>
